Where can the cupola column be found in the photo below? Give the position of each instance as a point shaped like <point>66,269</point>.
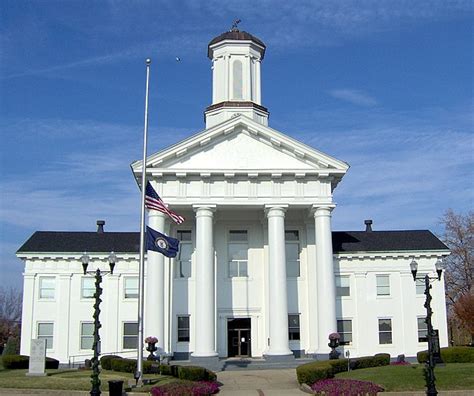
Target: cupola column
<point>278,308</point>
<point>326,285</point>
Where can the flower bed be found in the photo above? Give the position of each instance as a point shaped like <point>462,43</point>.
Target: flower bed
<point>186,389</point>
<point>345,387</point>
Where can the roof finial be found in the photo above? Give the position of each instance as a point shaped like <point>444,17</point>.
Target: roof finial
<point>234,25</point>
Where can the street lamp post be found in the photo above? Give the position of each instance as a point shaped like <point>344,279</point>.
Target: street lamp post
<point>430,363</point>
<point>95,380</point>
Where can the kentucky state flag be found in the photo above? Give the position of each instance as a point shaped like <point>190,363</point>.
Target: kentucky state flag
<point>161,243</point>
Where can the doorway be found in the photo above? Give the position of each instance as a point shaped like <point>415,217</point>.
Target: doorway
<point>238,337</point>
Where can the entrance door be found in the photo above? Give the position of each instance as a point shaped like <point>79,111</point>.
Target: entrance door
<point>238,337</point>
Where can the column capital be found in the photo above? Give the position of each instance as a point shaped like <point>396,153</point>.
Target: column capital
<point>202,210</point>
<point>322,209</point>
<point>156,213</point>
<point>275,210</point>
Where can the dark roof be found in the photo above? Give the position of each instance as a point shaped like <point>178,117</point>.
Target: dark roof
<point>129,242</point>
<point>236,35</point>
<point>52,241</point>
<point>382,241</point>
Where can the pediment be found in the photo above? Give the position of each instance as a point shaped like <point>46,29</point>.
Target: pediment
<point>241,145</point>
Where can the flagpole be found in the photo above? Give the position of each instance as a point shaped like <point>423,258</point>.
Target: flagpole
<point>141,270</point>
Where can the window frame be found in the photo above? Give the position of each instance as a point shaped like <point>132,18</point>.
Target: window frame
<point>425,330</point>
<point>381,332</point>
<point>178,328</point>
<point>83,336</point>
<point>125,280</point>
<point>83,279</point>
<point>379,288</point>
<point>294,263</point>
<point>342,341</point>
<point>420,284</point>
<point>178,262</point>
<point>294,331</point>
<point>47,336</point>
<point>340,287</point>
<point>230,261</point>
<point>41,288</point>
<point>129,335</point>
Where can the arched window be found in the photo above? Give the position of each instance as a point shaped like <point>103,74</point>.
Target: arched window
<point>237,74</point>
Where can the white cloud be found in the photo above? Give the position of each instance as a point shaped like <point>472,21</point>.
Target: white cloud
<point>354,96</point>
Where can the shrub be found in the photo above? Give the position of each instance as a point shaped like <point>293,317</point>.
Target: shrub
<point>106,361</point>
<point>13,362</point>
<point>451,355</point>
<point>346,387</point>
<point>174,370</point>
<point>381,359</point>
<point>185,389</point>
<point>311,372</point>
<point>165,369</point>
<point>51,363</point>
<point>151,367</point>
<point>124,365</point>
<point>196,373</point>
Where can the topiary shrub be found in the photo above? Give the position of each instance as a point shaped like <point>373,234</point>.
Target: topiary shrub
<point>124,365</point>
<point>196,373</point>
<point>106,361</point>
<point>451,355</point>
<point>13,362</point>
<point>311,372</point>
<point>150,367</point>
<point>12,347</point>
<point>382,359</point>
<point>165,369</point>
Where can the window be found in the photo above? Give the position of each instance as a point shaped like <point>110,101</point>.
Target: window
<point>420,284</point>
<point>46,288</point>
<point>385,331</point>
<point>87,335</point>
<point>183,264</point>
<point>422,330</point>
<point>294,327</point>
<point>238,253</point>
<point>88,288</point>
<point>344,328</point>
<point>383,285</point>
<point>237,76</point>
<point>45,332</point>
<point>131,287</point>
<point>343,286</point>
<point>183,328</point>
<point>292,250</point>
<point>130,335</point>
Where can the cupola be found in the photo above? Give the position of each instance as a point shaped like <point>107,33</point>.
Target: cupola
<point>236,56</point>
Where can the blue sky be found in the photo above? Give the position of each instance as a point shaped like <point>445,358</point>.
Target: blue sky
<point>386,86</point>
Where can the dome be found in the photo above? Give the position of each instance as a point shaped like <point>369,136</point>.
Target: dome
<point>236,35</point>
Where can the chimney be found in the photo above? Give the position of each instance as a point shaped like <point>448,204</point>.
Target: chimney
<point>368,225</point>
<point>100,226</point>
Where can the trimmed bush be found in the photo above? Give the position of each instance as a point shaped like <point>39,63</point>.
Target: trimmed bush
<point>13,362</point>
<point>12,347</point>
<point>174,370</point>
<point>309,373</point>
<point>106,361</point>
<point>451,355</point>
<point>165,369</point>
<point>196,373</point>
<point>124,365</point>
<point>51,363</point>
<point>151,367</point>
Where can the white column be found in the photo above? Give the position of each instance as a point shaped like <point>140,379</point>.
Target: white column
<point>204,320</point>
<point>278,309</point>
<point>155,285</point>
<point>27,312</point>
<point>325,277</point>
<point>62,328</point>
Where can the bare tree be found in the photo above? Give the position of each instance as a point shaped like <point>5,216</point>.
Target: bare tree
<point>459,276</point>
<point>10,313</point>
<point>464,310</point>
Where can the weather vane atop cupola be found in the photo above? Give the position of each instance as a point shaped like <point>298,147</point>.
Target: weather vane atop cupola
<point>234,25</point>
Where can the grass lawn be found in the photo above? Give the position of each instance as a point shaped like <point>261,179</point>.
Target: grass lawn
<point>453,376</point>
<point>73,380</point>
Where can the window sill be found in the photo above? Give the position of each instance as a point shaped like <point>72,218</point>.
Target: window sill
<point>238,279</point>
<point>384,297</point>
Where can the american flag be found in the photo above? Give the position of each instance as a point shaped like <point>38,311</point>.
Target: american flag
<point>153,201</point>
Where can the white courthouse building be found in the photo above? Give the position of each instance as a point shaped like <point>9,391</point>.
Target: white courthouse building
<point>260,273</point>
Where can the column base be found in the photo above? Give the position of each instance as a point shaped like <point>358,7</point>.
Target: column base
<point>279,358</point>
<point>209,362</point>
